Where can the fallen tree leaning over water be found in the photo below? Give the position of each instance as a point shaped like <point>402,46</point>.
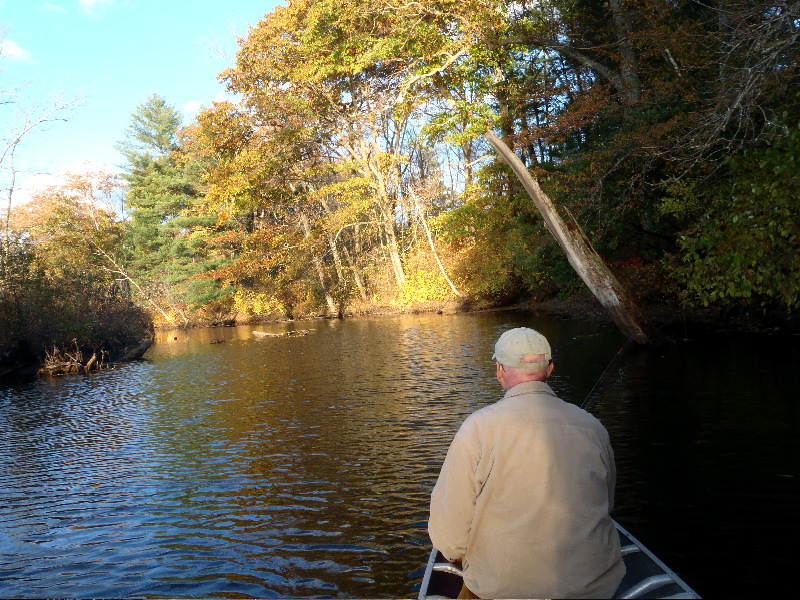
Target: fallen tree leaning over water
<point>581,255</point>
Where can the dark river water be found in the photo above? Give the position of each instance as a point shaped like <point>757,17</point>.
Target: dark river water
<point>301,466</point>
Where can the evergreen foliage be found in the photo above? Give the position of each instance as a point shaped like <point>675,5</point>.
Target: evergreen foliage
<point>167,240</point>
<point>358,139</point>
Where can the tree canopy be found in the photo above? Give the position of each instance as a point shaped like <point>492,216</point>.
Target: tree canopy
<point>352,170</point>
<point>359,129</point>
<point>60,289</point>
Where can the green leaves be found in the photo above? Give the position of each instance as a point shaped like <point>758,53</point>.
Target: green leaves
<point>360,127</point>
<point>742,249</point>
<point>162,248</point>
<point>153,129</point>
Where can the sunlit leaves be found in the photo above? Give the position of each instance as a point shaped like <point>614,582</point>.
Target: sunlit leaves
<point>70,225</point>
<point>58,286</point>
<point>153,128</point>
<point>604,101</point>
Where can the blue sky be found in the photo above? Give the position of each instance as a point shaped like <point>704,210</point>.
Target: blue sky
<point>111,55</point>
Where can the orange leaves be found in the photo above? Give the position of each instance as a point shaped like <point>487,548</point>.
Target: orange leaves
<point>82,202</point>
<point>70,225</point>
<point>221,130</point>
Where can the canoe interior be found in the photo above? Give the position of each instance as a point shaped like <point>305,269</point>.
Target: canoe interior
<point>436,583</point>
<point>646,576</point>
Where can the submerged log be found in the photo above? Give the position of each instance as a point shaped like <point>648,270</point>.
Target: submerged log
<point>294,333</point>
<point>581,255</point>
<point>138,351</point>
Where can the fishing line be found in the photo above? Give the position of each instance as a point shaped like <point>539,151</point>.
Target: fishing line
<point>596,391</point>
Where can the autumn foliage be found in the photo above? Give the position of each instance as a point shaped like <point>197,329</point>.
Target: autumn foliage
<point>357,148</point>
<point>59,292</point>
<point>351,173</point>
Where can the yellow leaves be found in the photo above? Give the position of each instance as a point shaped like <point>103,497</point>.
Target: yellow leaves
<point>254,303</point>
<point>389,161</point>
<point>69,230</point>
<point>351,196</point>
<point>201,232</point>
<point>221,130</point>
<point>423,285</point>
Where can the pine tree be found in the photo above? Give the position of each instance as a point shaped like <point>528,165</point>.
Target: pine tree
<point>163,248</point>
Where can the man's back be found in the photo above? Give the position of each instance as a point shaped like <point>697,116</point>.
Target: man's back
<point>524,496</point>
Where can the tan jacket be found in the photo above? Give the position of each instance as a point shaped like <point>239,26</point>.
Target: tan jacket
<point>523,498</point>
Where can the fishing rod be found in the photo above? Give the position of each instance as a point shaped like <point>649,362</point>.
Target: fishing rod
<point>594,393</point>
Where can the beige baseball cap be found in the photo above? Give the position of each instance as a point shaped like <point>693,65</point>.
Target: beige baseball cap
<point>517,343</point>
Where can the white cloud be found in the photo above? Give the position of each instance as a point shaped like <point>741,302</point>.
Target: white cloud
<point>12,50</point>
<point>30,186</point>
<point>53,8</point>
<point>33,184</point>
<point>192,107</point>
<point>90,7</point>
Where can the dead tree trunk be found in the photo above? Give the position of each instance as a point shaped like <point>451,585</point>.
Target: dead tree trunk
<point>118,270</point>
<point>580,253</point>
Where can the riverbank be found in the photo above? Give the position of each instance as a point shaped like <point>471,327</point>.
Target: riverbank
<point>668,316</point>
<point>24,364</point>
<point>662,314</point>
<point>673,320</point>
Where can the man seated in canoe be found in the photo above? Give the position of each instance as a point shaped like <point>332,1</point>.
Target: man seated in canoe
<point>524,495</point>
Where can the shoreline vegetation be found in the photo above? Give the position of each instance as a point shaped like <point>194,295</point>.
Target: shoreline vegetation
<point>379,158</point>
<point>77,360</point>
<point>662,315</point>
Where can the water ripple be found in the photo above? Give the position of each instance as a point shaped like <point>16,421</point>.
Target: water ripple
<point>201,473</point>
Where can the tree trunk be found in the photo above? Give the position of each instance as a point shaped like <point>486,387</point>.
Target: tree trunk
<point>581,255</point>
<point>506,124</point>
<point>338,261</point>
<point>362,290</point>
<point>421,216</point>
<point>629,63</point>
<point>7,221</point>
<point>391,244</point>
<point>318,266</point>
